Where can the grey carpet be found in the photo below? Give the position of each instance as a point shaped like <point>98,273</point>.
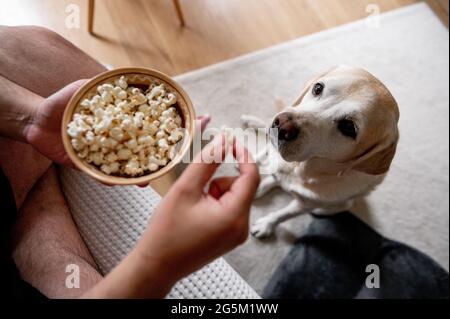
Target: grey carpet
<point>409,53</point>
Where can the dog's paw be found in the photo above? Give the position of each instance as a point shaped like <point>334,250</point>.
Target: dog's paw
<point>245,121</point>
<point>260,192</point>
<point>262,228</point>
<point>250,121</point>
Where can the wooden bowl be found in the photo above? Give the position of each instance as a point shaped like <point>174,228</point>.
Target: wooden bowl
<point>136,77</point>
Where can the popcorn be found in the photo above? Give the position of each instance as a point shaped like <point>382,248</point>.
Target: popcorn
<point>160,134</point>
<point>86,104</point>
<point>162,143</point>
<point>77,144</point>
<point>170,100</point>
<point>133,168</point>
<point>94,148</point>
<point>126,131</point>
<point>131,144</point>
<point>83,153</point>
<point>175,136</point>
<point>111,158</point>
<point>114,167</point>
<point>146,140</point>
<point>116,133</point>
<point>107,97</point>
<point>124,153</point>
<point>122,83</point>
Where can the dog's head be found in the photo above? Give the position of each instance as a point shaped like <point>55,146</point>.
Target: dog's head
<point>345,115</point>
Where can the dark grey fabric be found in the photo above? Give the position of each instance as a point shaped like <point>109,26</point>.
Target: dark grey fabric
<point>330,260</point>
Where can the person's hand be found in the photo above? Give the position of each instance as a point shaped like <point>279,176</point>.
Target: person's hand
<point>44,133</point>
<point>189,228</point>
<point>202,121</point>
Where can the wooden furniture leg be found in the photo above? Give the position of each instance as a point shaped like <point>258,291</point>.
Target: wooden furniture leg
<point>179,11</point>
<point>91,10</point>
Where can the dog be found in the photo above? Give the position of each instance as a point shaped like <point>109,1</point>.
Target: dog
<point>335,144</point>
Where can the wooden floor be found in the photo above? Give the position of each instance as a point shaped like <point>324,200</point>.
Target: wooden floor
<point>147,33</point>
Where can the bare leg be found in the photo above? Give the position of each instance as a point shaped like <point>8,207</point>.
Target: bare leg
<point>265,226</point>
<point>42,62</point>
<point>46,241</point>
<point>46,236</point>
<point>22,165</point>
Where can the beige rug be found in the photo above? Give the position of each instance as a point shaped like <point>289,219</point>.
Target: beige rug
<point>409,53</point>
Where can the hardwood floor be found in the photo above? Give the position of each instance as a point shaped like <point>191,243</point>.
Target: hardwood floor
<point>440,7</point>
<point>147,32</point>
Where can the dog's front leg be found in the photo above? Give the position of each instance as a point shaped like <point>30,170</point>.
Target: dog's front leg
<point>266,185</point>
<point>265,226</point>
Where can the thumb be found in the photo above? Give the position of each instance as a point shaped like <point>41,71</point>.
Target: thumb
<point>57,102</point>
<point>67,92</point>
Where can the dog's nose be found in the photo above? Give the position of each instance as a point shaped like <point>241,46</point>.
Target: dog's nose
<point>287,130</point>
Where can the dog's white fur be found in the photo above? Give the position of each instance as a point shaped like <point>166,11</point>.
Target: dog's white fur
<point>322,169</point>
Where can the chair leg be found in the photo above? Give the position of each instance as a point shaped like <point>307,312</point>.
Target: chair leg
<point>91,11</point>
<point>177,5</point>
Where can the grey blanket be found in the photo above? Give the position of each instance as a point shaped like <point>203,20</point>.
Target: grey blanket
<point>330,261</point>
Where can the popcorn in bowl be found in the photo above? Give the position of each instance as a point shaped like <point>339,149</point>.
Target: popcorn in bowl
<point>127,131</point>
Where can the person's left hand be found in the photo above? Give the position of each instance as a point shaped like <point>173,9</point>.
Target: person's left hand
<point>44,134</point>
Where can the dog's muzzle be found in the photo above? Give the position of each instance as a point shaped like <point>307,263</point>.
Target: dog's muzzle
<point>287,129</point>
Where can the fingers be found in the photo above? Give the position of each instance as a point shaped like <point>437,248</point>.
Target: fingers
<point>243,190</point>
<point>249,179</point>
<point>198,173</point>
<point>204,120</point>
<point>221,185</point>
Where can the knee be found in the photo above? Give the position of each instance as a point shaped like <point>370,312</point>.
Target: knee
<point>42,34</point>
<point>36,34</point>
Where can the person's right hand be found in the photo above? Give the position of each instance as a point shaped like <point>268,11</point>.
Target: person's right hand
<point>191,227</point>
<point>188,229</point>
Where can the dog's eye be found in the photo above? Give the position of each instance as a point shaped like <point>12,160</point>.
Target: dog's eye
<point>318,89</point>
<point>347,128</point>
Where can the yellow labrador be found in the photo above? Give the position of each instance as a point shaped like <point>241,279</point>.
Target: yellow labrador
<point>335,143</point>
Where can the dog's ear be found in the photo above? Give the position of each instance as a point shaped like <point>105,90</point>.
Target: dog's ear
<point>308,86</point>
<point>377,163</point>
<point>279,104</point>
